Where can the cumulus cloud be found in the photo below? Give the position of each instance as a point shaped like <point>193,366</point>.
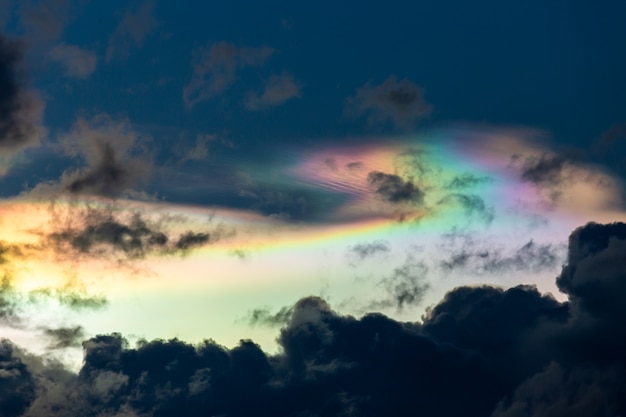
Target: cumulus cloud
<point>132,31</point>
<point>277,90</point>
<point>401,102</point>
<point>20,109</point>
<point>215,68</point>
<point>77,62</point>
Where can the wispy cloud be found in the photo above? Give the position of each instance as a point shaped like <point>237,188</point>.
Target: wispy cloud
<point>215,68</point>
<point>401,102</point>
<point>77,62</point>
<point>132,31</point>
<point>276,91</point>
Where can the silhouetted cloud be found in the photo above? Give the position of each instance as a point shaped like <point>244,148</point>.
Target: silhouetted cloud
<point>472,205</point>
<point>132,31</point>
<point>77,62</point>
<point>20,109</point>
<point>215,67</point>
<point>394,188</point>
<point>277,90</point>
<point>402,102</point>
<point>17,386</point>
<point>105,233</point>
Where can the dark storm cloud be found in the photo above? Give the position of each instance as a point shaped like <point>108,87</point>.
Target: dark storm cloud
<point>64,337</point>
<point>395,189</point>
<point>480,351</point>
<point>402,102</point>
<point>132,31</point>
<point>20,110</point>
<point>215,67</point>
<point>367,249</point>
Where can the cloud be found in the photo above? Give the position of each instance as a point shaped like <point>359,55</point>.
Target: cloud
<point>132,31</point>
<point>466,181</point>
<point>117,158</point>
<point>361,251</point>
<point>402,102</point>
<point>264,317</point>
<point>406,286</point>
<point>215,68</point>
<point>546,170</point>
<point>395,189</point>
<point>277,90</point>
<point>64,337</point>
<point>109,233</point>
<point>484,258</point>
<point>45,19</point>
<point>20,110</point>
<point>480,351</point>
<point>472,205</point>
<point>78,62</point>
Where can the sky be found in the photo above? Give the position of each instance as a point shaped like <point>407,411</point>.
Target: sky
<point>331,209</point>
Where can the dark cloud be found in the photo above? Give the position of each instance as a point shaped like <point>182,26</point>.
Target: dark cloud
<point>17,385</point>
<point>215,67</point>
<point>117,158</point>
<point>406,286</point>
<point>64,337</point>
<point>264,317</point>
<point>466,181</point>
<point>367,249</point>
<point>402,102</point>
<point>545,170</point>
<point>20,110</point>
<point>104,233</point>
<point>395,189</point>
<point>481,351</point>
<point>132,31</point>
<point>480,259</point>
<point>472,205</point>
